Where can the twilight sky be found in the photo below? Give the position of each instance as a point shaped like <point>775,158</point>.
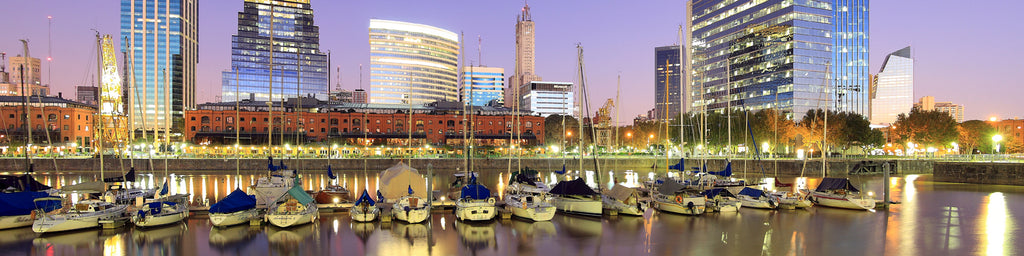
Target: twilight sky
<point>964,53</point>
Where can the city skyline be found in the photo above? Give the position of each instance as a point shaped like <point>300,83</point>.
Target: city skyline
<point>948,69</point>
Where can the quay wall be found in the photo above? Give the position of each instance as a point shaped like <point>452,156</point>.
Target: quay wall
<point>787,167</point>
<point>980,173</point>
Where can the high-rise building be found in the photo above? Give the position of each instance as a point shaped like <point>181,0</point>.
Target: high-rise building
<point>481,85</point>
<point>928,103</point>
<point>87,94</point>
<point>161,38</point>
<point>667,78</point>
<point>893,92</point>
<point>293,67</point>
<point>781,54</point>
<point>547,98</point>
<point>360,96</point>
<point>412,63</point>
<point>524,72</point>
<point>33,85</point>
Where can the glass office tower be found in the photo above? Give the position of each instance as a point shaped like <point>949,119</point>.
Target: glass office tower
<point>414,62</point>
<point>667,75</point>
<point>894,90</point>
<point>161,39</point>
<point>481,85</point>
<point>299,67</point>
<point>758,54</point>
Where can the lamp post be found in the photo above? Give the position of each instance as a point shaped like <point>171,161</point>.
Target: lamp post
<point>995,142</point>
<point>649,138</point>
<point>629,136</point>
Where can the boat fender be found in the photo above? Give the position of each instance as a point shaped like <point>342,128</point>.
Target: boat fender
<point>524,205</point>
<point>679,199</point>
<point>690,205</point>
<point>406,208</point>
<point>32,215</point>
<point>490,200</point>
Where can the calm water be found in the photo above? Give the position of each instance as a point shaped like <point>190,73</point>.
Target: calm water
<point>933,219</point>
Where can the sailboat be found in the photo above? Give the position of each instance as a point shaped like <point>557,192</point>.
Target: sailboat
<point>526,197</point>
<point>333,193</point>
<point>236,208</point>
<point>623,200</point>
<point>297,210</point>
<point>475,202</point>
<point>756,198</point>
<point>790,199</point>
<point>405,188</point>
<point>721,200</point>
<point>576,197</point>
<point>839,193</point>
<point>18,209</point>
<point>364,210</point>
<point>166,210</point>
<point>271,188</point>
<point>670,197</point>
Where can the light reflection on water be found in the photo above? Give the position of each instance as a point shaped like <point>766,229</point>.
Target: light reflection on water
<point>934,218</point>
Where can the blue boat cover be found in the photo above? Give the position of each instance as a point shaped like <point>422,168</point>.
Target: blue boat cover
<point>365,199</point>
<point>21,203</point>
<point>129,177</point>
<point>330,174</point>
<point>724,173</point>
<point>711,193</point>
<point>475,191</point>
<point>410,190</point>
<point>236,201</point>
<point>835,183</point>
<point>573,187</point>
<point>678,166</point>
<point>164,191</point>
<point>21,183</point>
<point>752,192</point>
<point>299,194</point>
<point>561,172</point>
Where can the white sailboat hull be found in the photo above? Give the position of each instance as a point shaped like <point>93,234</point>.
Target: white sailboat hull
<point>412,215</point>
<point>75,221</point>
<point>686,206</point>
<point>620,207</point>
<point>797,201</point>
<point>359,215</point>
<point>537,211</point>
<point>475,210</point>
<point>751,202</point>
<point>577,205</point>
<point>289,220</point>
<point>835,201</point>
<point>160,220</point>
<point>234,218</point>
<point>16,221</point>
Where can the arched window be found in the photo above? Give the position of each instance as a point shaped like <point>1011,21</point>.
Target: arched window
<point>205,120</point>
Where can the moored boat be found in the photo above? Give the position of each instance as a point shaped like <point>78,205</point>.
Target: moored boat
<point>297,210</point>
<point>166,210</point>
<point>623,200</point>
<point>721,200</point>
<point>403,187</point>
<point>839,193</point>
<point>756,198</point>
<point>475,202</point>
<point>18,209</point>
<point>271,188</point>
<point>530,206</point>
<point>671,198</point>
<point>576,197</point>
<point>234,209</point>
<point>365,209</point>
<point>85,214</point>
<point>333,193</point>
<point>793,199</point>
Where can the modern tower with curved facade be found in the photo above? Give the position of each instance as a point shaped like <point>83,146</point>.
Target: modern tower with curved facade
<point>893,92</point>
<point>412,62</point>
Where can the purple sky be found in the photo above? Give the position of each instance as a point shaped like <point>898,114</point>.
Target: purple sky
<point>966,53</point>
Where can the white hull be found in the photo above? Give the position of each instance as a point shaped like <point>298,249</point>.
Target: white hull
<point>577,205</point>
<point>687,206</point>
<point>795,200</point>
<point>359,215</point>
<point>16,221</point>
<point>848,202</point>
<point>475,210</point>
<point>289,220</point>
<point>751,202</point>
<point>164,219</point>
<point>621,208</point>
<point>234,218</point>
<point>537,211</point>
<point>730,205</point>
<point>412,215</point>
<point>75,221</point>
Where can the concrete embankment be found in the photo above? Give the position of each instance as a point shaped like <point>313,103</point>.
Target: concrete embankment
<point>787,167</point>
<point>980,173</point>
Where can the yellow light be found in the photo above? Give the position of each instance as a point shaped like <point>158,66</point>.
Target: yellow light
<point>997,138</point>
<point>992,119</point>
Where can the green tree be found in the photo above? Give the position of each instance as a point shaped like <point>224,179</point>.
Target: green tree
<point>553,132</point>
<point>975,134</point>
<point>926,128</point>
<point>773,127</point>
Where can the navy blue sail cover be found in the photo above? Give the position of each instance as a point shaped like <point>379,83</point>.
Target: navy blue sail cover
<point>835,183</point>
<point>476,192</point>
<point>752,192</point>
<point>678,166</point>
<point>724,173</point>
<point>21,183</point>
<point>365,199</point>
<point>21,203</point>
<point>236,201</point>
<point>711,193</point>
<point>573,187</point>
<point>330,174</point>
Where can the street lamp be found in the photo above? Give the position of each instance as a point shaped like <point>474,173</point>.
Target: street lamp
<point>995,141</point>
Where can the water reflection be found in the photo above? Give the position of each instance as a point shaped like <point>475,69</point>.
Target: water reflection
<point>933,219</point>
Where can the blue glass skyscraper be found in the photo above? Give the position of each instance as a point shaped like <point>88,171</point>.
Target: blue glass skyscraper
<point>299,67</point>
<point>161,39</point>
<point>790,55</point>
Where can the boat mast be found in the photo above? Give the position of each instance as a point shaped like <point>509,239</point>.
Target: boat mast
<point>824,132</point>
<point>270,95</point>
<point>99,82</point>
<point>238,139</point>
<point>26,109</point>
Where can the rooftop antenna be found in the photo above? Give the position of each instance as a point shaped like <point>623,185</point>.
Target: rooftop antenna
<point>360,76</point>
<point>49,52</point>
<point>479,51</point>
<point>3,59</point>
